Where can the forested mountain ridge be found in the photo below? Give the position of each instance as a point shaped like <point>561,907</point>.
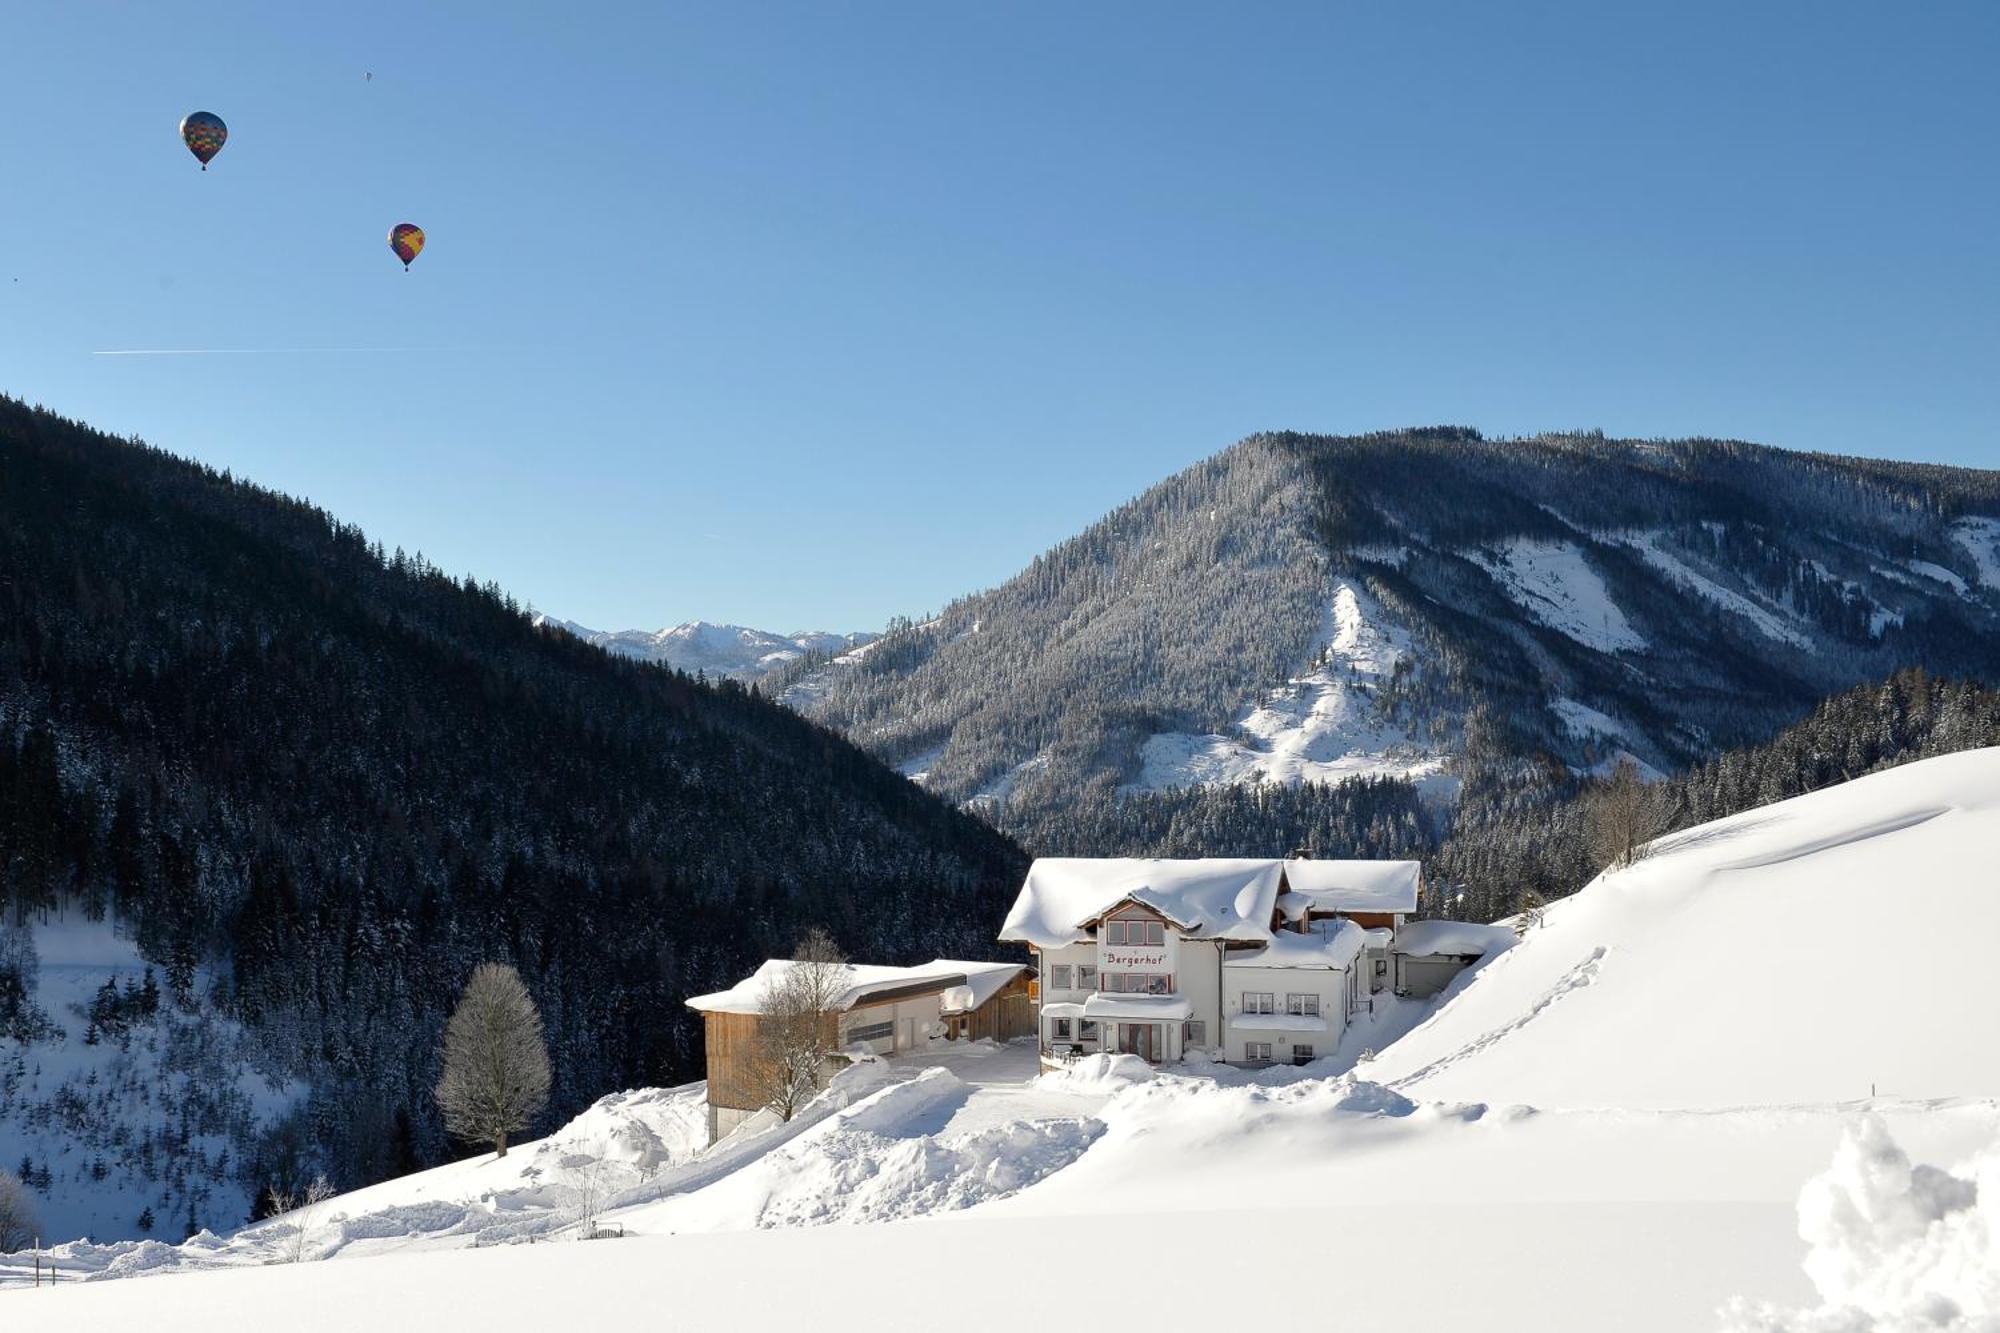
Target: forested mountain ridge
<point>343,777</point>
<point>1419,605</point>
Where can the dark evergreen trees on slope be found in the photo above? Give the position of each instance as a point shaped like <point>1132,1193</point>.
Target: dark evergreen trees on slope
<point>1535,835</point>
<point>231,720</point>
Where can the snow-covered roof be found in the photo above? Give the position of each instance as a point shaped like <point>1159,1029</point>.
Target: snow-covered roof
<point>1331,944</point>
<point>863,980</point>
<point>1458,939</point>
<point>1356,886</point>
<point>1211,898</point>
<point>1276,1023</point>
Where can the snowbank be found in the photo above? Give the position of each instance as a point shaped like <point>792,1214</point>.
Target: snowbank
<point>1895,1247</point>
<point>1743,963</point>
<point>1099,1073</point>
<point>882,1159</point>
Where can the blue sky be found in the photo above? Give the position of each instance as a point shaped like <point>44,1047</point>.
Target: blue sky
<point>808,315</point>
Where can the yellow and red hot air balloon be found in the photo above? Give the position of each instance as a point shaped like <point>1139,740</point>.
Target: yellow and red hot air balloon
<point>204,134</point>
<point>407,240</point>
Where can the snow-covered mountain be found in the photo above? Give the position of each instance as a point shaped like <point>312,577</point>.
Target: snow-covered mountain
<point>1606,1125</point>
<point>734,651</point>
<point>1311,608</point>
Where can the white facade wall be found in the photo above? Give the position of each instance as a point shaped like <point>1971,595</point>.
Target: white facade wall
<point>1200,983</point>
<point>1213,989</point>
<point>1073,957</point>
<point>1330,986</point>
<point>910,1022</point>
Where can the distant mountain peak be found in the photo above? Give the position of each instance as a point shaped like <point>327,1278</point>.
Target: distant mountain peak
<point>713,648</point>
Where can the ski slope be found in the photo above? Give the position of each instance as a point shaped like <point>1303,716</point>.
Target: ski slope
<point>1653,1112</point>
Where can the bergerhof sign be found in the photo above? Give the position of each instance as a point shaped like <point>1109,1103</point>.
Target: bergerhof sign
<point>1125,958</point>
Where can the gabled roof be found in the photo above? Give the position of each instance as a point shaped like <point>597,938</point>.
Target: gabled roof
<point>1356,886</point>
<point>1211,898</point>
<point>864,981</point>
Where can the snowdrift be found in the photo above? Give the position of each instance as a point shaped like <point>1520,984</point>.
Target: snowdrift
<point>1821,950</point>
<point>1894,1246</point>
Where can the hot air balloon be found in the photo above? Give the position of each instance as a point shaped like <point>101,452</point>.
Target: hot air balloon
<point>407,240</point>
<point>204,134</point>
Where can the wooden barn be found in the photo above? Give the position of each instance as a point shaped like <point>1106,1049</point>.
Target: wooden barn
<point>883,1011</point>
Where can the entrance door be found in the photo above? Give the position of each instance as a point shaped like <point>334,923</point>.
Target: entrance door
<point>1136,1039</point>
<point>906,1034</point>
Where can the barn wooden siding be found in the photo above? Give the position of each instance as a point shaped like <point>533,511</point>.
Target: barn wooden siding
<point>731,1040</point>
<point>1009,1014</point>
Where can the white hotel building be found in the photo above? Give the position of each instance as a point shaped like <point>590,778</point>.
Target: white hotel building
<point>1252,961</point>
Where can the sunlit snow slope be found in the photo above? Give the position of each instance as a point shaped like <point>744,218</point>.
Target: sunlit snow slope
<point>1608,1125</point>
<point>1802,952</point>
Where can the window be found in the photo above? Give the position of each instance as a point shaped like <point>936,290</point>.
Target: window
<point>1307,1005</point>
<point>1256,1050</point>
<point>1114,932</point>
<point>1062,1029</point>
<point>1258,1002</point>
<point>1301,1055</point>
<point>1059,976</point>
<point>1086,1029</point>
<point>1155,933</point>
<point>1381,967</point>
<point>1086,976</point>
<point>871,1032</point>
<point>1194,1034</point>
<point>1137,983</point>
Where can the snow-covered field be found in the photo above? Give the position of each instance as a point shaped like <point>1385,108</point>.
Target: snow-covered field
<point>1626,1121</point>
<point>1321,726</point>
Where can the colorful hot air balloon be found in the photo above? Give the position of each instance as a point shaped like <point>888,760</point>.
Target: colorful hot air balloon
<point>407,240</point>
<point>204,134</point>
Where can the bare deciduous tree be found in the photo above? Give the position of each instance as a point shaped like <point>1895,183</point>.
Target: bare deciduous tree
<point>796,1025</point>
<point>17,1214</point>
<point>496,1065</point>
<point>302,1207</point>
<point>1530,910</point>
<point>1626,813</point>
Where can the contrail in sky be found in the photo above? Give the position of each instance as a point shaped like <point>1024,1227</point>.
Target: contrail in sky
<point>265,351</point>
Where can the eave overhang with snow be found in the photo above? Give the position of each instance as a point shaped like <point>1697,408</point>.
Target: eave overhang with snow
<point>972,984</point>
<point>1355,886</point>
<point>1137,1008</point>
<point>1216,898</point>
<point>1452,939</point>
<point>1276,1023</point>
